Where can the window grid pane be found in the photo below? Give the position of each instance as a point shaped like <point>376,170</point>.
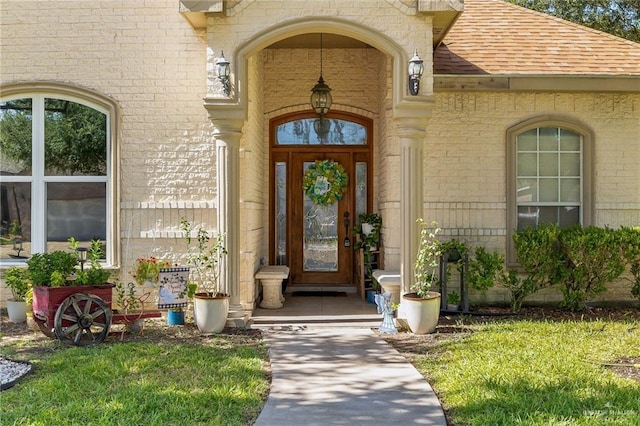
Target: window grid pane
<point>549,177</point>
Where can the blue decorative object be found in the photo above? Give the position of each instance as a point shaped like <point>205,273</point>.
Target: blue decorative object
<point>175,317</point>
<point>385,307</point>
<point>371,296</point>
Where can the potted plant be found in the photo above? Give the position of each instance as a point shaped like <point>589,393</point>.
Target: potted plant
<point>130,306</point>
<point>422,307</point>
<point>453,301</point>
<point>55,277</point>
<point>17,279</point>
<point>148,270</point>
<point>368,241</point>
<point>369,231</point>
<point>210,306</point>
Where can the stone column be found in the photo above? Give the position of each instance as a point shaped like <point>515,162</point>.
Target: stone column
<point>411,125</point>
<point>227,133</point>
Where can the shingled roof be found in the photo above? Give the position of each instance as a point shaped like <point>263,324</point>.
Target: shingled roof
<point>496,37</point>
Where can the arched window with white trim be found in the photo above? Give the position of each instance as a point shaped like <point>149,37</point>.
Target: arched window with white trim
<point>56,168</point>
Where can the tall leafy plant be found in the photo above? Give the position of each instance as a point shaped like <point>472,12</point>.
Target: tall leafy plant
<point>204,256</point>
<point>427,258</point>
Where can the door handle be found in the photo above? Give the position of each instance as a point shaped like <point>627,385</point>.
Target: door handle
<point>347,241</point>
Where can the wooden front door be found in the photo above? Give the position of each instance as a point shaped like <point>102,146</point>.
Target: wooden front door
<point>321,251</point>
<point>313,237</point>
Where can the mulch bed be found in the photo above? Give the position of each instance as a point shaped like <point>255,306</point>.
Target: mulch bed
<point>34,344</point>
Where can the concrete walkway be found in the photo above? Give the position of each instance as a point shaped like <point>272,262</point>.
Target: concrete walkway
<point>343,376</point>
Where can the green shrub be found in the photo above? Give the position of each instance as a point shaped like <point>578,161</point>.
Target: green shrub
<point>520,287</point>
<point>42,265</point>
<point>484,268</point>
<point>537,252</point>
<point>631,253</point>
<point>591,257</point>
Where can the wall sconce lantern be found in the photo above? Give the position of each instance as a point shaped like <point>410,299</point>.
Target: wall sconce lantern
<point>416,68</point>
<point>321,98</point>
<point>81,253</point>
<point>223,70</point>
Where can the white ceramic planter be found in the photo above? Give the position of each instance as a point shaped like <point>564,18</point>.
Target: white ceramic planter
<point>17,311</point>
<point>367,228</point>
<point>210,313</point>
<point>422,314</point>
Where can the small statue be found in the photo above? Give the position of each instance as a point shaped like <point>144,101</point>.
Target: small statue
<point>385,307</point>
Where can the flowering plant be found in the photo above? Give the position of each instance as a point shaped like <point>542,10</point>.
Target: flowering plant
<point>148,269</point>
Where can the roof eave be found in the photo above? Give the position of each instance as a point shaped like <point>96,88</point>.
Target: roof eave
<point>538,82</point>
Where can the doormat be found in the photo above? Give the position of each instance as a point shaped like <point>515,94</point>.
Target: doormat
<point>319,294</point>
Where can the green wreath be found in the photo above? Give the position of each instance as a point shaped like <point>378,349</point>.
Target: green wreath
<point>325,182</point>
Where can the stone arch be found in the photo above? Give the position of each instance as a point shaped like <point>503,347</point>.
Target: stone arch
<point>281,31</point>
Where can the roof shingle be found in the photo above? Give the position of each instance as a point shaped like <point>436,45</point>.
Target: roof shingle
<point>495,37</point>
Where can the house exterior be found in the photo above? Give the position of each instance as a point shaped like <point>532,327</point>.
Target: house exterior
<point>519,118</point>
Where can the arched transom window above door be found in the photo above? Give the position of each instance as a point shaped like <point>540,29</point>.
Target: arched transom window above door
<point>320,131</point>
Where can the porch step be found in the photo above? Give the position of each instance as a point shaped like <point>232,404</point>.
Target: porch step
<point>320,320</point>
<point>320,311</point>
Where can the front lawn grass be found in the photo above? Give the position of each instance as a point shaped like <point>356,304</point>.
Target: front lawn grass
<point>537,373</point>
<point>210,381</point>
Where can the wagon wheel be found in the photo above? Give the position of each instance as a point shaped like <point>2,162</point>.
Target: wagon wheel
<point>82,319</point>
<point>44,327</point>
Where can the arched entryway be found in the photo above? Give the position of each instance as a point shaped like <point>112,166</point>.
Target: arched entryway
<point>320,180</point>
<point>268,80</point>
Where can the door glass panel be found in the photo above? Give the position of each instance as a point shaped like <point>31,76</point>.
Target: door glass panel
<point>281,213</point>
<point>361,188</point>
<point>328,131</point>
<point>320,245</point>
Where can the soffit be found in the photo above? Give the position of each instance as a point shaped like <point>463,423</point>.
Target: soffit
<point>495,37</point>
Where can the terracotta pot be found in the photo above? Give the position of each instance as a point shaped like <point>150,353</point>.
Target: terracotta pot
<point>422,314</point>
<point>210,311</point>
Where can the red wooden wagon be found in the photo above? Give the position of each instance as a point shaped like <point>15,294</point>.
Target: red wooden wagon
<point>78,315</point>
